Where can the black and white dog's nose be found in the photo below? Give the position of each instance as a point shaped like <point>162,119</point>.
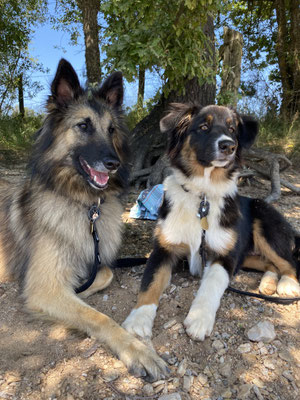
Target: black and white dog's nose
<point>111,163</point>
<point>227,147</point>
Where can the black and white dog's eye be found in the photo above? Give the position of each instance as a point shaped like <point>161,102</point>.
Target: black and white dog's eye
<point>111,130</point>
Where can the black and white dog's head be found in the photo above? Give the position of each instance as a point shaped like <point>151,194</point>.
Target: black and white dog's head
<point>211,136</point>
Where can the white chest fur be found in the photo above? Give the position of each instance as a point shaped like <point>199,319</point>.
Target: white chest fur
<point>182,224</point>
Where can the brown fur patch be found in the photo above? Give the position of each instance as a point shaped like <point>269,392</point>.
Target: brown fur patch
<point>160,281</point>
<point>262,246</point>
<point>258,263</point>
<point>179,250</point>
<point>189,158</point>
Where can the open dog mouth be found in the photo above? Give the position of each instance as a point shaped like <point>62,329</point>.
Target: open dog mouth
<point>97,179</point>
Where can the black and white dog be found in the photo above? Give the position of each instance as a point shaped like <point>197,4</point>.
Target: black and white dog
<point>204,149</point>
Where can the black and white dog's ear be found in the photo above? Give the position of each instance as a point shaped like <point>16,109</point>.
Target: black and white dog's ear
<point>65,86</point>
<point>248,130</point>
<point>112,91</point>
<point>178,117</point>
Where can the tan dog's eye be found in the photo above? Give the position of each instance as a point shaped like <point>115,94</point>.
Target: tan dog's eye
<point>204,127</point>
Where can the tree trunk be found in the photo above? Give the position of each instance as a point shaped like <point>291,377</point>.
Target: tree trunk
<point>21,96</point>
<point>141,89</point>
<point>89,10</point>
<point>288,53</point>
<point>147,142</point>
<point>231,54</point>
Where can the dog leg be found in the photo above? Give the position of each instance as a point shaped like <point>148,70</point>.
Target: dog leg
<point>48,290</point>
<point>102,280</point>
<point>201,317</point>
<point>195,264</point>
<point>268,283</point>
<point>156,278</point>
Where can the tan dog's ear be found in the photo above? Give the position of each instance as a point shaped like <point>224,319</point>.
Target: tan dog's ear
<point>178,116</point>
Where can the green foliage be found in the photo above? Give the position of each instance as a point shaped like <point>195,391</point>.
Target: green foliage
<point>17,20</point>
<point>16,133</point>
<point>157,34</point>
<point>139,111</point>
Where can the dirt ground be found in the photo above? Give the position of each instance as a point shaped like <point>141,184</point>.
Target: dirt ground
<point>43,361</point>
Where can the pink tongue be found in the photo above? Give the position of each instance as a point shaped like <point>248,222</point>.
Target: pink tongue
<point>99,177</point>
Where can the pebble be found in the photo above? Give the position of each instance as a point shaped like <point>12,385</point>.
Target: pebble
<point>110,376</point>
<point>171,396</point>
<point>172,288</point>
<point>244,348</point>
<point>226,371</point>
<point>268,364</point>
<point>262,332</point>
<point>185,284</point>
<point>202,379</point>
<point>258,383</point>
<point>217,344</point>
<point>286,356</point>
<point>170,323</point>
<point>244,391</point>
<point>227,394</point>
<point>182,367</point>
<point>288,376</point>
<point>257,392</point>
<point>187,383</point>
<point>105,297</point>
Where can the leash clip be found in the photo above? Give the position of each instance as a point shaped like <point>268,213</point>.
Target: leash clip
<point>203,212</point>
<point>93,214</point>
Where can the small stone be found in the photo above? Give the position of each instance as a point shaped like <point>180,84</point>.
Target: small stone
<point>217,345</point>
<point>158,383</point>
<point>187,383</point>
<point>182,367</point>
<point>244,348</point>
<point>169,324</point>
<point>257,392</point>
<point>105,297</point>
<point>148,390</point>
<point>202,379</point>
<point>244,391</point>
<point>176,327</point>
<point>227,394</point>
<point>171,396</point>
<point>288,376</point>
<point>286,356</point>
<point>262,332</point>
<point>110,376</point>
<point>226,370</point>
<point>268,364</point>
<point>263,351</point>
<point>159,388</point>
<point>258,383</point>
<point>185,284</point>
<point>172,288</point>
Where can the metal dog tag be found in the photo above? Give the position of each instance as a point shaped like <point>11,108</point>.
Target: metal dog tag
<point>202,214</point>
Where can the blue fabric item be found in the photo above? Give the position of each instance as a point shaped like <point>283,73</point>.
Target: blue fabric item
<point>148,203</point>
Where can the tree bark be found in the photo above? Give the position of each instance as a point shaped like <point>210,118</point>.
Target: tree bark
<point>141,88</point>
<point>231,54</point>
<point>21,96</point>
<point>288,53</point>
<point>89,10</point>
<point>147,142</point>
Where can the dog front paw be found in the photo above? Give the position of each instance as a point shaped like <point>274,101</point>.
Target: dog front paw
<point>140,321</point>
<point>199,322</point>
<point>142,361</point>
<point>268,283</point>
<point>288,287</point>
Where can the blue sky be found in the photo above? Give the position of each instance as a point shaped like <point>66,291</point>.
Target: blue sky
<point>49,46</point>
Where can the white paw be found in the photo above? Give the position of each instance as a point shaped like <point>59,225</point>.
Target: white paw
<point>268,283</point>
<point>199,322</point>
<point>288,287</point>
<point>140,321</point>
